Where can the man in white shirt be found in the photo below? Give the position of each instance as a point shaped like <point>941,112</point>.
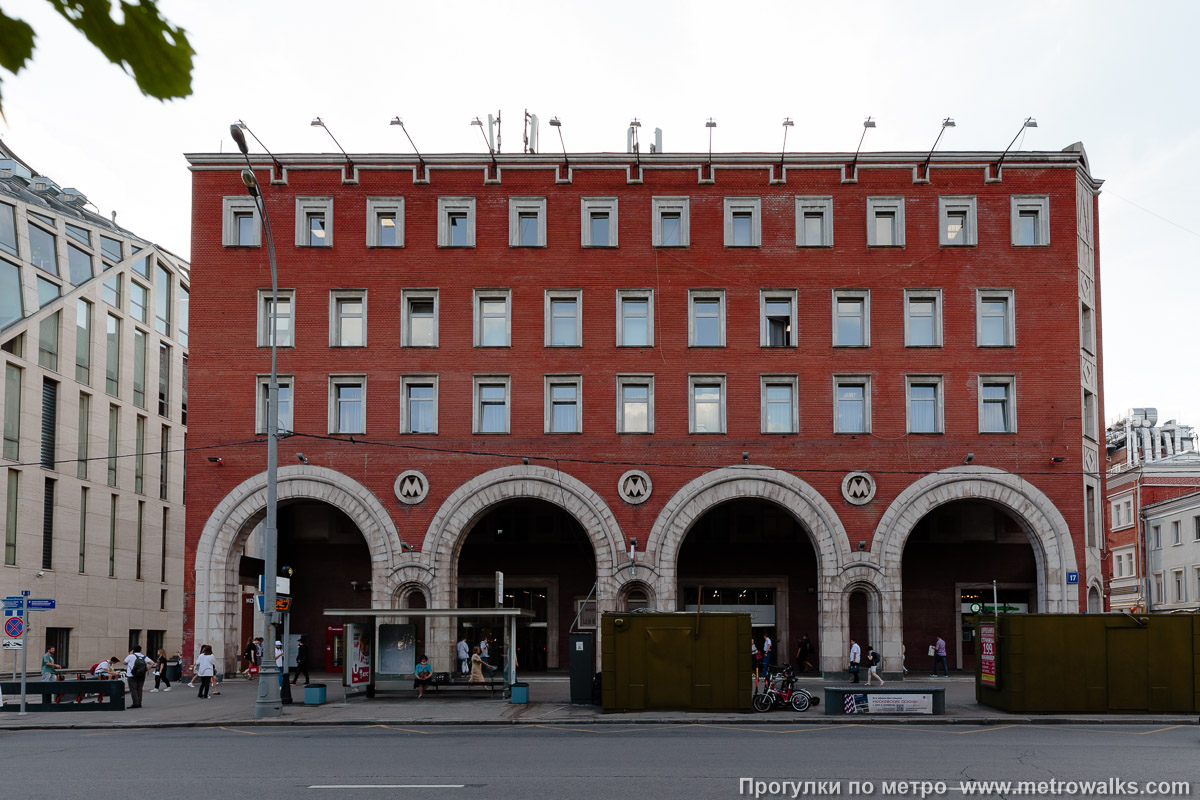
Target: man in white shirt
<point>136,667</point>
<point>855,658</point>
<point>766,650</point>
<point>279,661</point>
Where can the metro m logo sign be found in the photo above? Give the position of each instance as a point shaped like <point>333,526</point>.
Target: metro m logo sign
<point>411,487</point>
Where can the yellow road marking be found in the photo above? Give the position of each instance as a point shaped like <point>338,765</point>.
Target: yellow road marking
<point>236,730</point>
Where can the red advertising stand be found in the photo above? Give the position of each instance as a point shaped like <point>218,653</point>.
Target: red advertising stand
<point>335,648</point>
<point>987,654</point>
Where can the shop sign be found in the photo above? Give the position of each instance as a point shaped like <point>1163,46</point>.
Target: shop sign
<point>759,615</point>
<point>987,655</point>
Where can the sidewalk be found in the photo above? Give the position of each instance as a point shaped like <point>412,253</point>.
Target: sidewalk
<point>549,704</point>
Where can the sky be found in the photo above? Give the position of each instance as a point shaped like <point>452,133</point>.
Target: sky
<point>1120,77</point>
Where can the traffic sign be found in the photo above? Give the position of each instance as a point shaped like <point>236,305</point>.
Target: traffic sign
<point>14,612</point>
<point>14,627</point>
<point>11,644</point>
<point>40,604</point>
<point>12,602</point>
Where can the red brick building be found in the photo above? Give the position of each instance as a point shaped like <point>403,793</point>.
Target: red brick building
<point>847,397</point>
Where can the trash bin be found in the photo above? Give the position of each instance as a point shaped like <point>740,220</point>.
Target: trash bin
<point>314,694</point>
<point>173,671</point>
<point>520,693</point>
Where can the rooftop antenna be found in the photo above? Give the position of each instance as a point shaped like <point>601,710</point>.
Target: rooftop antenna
<point>712,123</point>
<point>1029,122</point>
<point>948,122</point>
<point>869,122</point>
<point>530,132</point>
<point>557,124</point>
<point>657,146</point>
<point>632,137</point>
<point>274,160</point>
<point>400,122</point>
<point>320,123</point>
<point>787,123</point>
<point>486,140</point>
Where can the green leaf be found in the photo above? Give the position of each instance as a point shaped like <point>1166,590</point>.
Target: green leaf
<point>16,43</point>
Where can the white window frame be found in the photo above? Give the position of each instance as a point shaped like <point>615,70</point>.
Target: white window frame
<point>231,209</point>
<point>345,380</point>
<point>407,296</point>
<point>312,205</point>
<point>966,205</point>
<point>852,294</point>
<point>635,380</point>
<point>885,205</point>
<point>480,295</point>
<point>1122,520</point>
<point>1176,532</point>
<point>793,383</point>
<point>706,294</point>
<point>813,205</point>
<point>406,382</point>
<point>853,380</point>
<point>939,419</point>
<point>478,381</point>
<point>1087,327</point>
<point>264,321</point>
<point>744,205</point>
<point>262,386</point>
<point>705,380</point>
<point>551,381</point>
<point>1179,585</point>
<point>670,205</point>
<point>455,205</point>
<point>1010,324</point>
<point>764,329</point>
<point>1011,381</point>
<point>548,320</point>
<point>335,318</point>
<point>635,294</point>
<point>526,205</point>
<point>1037,203</point>
<point>383,205</point>
<point>923,294</point>
<point>588,205</point>
<point>1090,406</point>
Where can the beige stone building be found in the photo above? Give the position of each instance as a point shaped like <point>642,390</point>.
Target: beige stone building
<point>93,347</point>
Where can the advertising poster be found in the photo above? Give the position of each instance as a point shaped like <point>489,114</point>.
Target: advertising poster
<point>883,703</point>
<point>397,649</point>
<point>359,661</point>
<point>987,655</point>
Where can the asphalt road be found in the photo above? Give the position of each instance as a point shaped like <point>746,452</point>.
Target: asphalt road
<point>593,762</point>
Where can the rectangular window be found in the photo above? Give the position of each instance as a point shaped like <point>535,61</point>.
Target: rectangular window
<point>995,318</point>
<point>706,405</point>
<point>420,323</point>
<point>164,380</point>
<point>922,317</point>
<point>114,417</point>
<point>347,404</point>
<point>10,518</point>
<point>456,222</point>
<point>139,534</point>
<point>164,453</point>
<point>635,317</point>
<point>1157,532</point>
<point>48,525</point>
<point>670,222</point>
<point>48,341</point>
<point>956,222</point>
<point>1176,536</point>
<point>527,222</point>
<point>885,221</point>
<point>564,323</point>
<point>563,402</point>
<point>49,422</point>
<point>1089,520</point>
<point>814,222</point>
<point>154,641</point>
<point>185,308</point>
<point>419,414</point>
<point>12,411</point>
<point>83,504</point>
<point>635,404</point>
<point>743,222</point>
<point>279,320</point>
<point>493,323</point>
<point>777,310</point>
<point>285,403</point>
<point>43,250</point>
<point>60,640</point>
<point>162,557</point>
<point>79,264</point>
<point>112,353</point>
<point>81,235</point>
<point>780,411</point>
<point>240,225</point>
<point>1030,221</point>
<point>12,305</point>
<point>1089,414</point>
<point>111,249</point>
<point>139,300</point>
<point>314,221</point>
<point>163,296</point>
<point>491,404</point>
<point>852,404</point>
<point>925,404</point>
<point>139,368</point>
<point>110,291</point>
<point>851,318</point>
<point>112,537</point>
<point>139,454</point>
<point>83,341</point>
<point>8,228</point>
<point>385,222</point>
<point>1177,583</point>
<point>599,222</point>
<point>85,426</point>
<point>706,318</point>
<point>142,265</point>
<point>1087,328</point>
<point>1196,530</point>
<point>348,318</point>
<point>47,292</point>
<point>997,408</point>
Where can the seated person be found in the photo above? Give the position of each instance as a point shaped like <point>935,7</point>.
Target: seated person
<point>106,669</point>
<point>422,676</point>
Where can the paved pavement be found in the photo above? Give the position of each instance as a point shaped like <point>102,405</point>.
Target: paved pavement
<point>549,697</point>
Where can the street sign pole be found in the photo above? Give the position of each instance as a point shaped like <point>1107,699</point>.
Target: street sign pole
<point>24,650</point>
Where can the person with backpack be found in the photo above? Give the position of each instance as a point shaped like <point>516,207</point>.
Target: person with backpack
<point>250,656</point>
<point>873,661</point>
<point>136,665</point>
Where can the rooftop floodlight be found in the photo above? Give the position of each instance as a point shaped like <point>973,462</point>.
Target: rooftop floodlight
<point>1029,122</point>
<point>787,123</point>
<point>400,122</point>
<point>486,140</point>
<point>320,123</point>
<point>948,122</point>
<point>869,122</point>
<point>633,140</point>
<point>710,124</point>
<point>556,123</point>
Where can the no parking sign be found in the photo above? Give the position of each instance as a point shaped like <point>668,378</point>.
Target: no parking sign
<point>13,627</point>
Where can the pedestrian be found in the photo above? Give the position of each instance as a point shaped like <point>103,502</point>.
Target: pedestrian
<point>477,665</point>
<point>855,660</point>
<point>939,657</point>
<point>206,667</point>
<point>279,662</point>
<point>160,671</point>
<point>767,644</point>
<point>249,656</point>
<point>301,663</point>
<point>136,666</point>
<point>48,667</point>
<point>755,657</point>
<point>483,650</point>
<point>904,658</point>
<point>422,676</point>
<point>464,655</point>
<point>873,660</point>
<point>804,653</point>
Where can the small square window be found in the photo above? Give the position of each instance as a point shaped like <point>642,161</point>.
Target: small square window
<point>419,404</point>
<point>995,318</point>
<point>925,404</point>
<point>281,319</point>
<point>997,404</point>
<point>814,222</point>
<point>851,318</point>
<point>780,411</point>
<point>314,221</point>
<point>491,404</point>
<point>564,404</point>
<point>493,321</point>
<point>347,409</point>
<point>670,224</point>
<point>240,224</point>
<point>456,222</point>
<point>527,222</point>
<point>635,404</point>
<point>348,318</point>
<point>956,221</point>
<point>922,317</point>
<point>635,318</point>
<point>1030,221</point>
<point>564,318</point>
<point>420,322</point>
<point>285,403</point>
<point>706,318</point>
<point>851,404</point>
<point>743,222</point>
<point>599,221</point>
<point>385,222</point>
<point>885,221</point>
<point>777,309</point>
<point>706,405</point>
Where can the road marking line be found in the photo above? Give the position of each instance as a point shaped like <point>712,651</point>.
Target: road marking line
<point>235,730</point>
<point>983,730</point>
<point>390,786</point>
<point>1158,730</point>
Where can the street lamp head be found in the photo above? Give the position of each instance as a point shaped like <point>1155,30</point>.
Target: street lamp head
<point>317,122</point>
<point>868,123</point>
<point>477,121</point>
<point>555,123</point>
<point>1030,122</point>
<point>251,182</point>
<point>787,122</point>
<point>396,121</point>
<point>239,138</point>
<point>948,122</point>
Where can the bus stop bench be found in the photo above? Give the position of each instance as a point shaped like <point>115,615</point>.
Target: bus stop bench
<point>442,681</point>
<point>64,695</point>
<point>886,700</point>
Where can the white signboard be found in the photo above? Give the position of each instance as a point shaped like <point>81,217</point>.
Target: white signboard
<point>989,608</point>
<point>899,703</point>
<point>759,615</point>
<point>10,644</point>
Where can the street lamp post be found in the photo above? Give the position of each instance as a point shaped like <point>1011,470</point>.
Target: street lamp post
<point>268,703</point>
